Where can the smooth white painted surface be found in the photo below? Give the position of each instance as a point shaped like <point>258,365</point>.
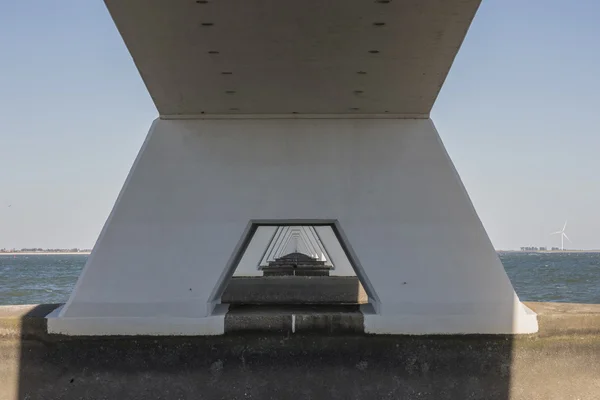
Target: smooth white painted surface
<point>524,321</point>
<point>390,184</point>
<point>152,326</point>
<point>339,259</point>
<point>248,265</point>
<point>282,57</point>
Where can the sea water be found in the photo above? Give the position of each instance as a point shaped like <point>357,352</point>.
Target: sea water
<point>561,277</point>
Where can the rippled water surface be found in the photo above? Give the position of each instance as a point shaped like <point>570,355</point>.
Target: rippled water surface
<point>38,279</point>
<point>564,277</point>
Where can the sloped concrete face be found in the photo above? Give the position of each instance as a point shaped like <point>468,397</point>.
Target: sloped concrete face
<point>197,184</point>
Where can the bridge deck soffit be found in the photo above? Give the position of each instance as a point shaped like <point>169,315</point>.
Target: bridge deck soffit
<point>350,57</point>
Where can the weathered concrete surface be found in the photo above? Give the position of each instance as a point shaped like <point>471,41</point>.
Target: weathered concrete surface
<point>302,367</point>
<point>295,319</point>
<point>295,289</point>
<point>555,319</point>
<point>279,364</point>
<point>24,321</point>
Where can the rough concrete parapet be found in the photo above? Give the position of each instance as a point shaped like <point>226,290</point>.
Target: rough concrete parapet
<point>24,321</point>
<point>326,358</point>
<point>555,319</point>
<point>295,289</point>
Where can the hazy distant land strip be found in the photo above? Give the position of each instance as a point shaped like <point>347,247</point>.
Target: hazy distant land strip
<point>73,251</point>
<point>550,251</point>
<point>40,251</point>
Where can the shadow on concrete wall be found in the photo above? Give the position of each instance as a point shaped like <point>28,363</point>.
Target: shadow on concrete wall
<point>279,365</point>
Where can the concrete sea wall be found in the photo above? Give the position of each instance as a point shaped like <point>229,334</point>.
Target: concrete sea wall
<point>328,359</point>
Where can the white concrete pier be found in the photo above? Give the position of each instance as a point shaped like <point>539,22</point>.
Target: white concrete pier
<point>259,98</point>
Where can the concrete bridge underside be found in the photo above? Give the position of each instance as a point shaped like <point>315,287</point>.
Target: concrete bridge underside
<point>306,57</point>
<point>258,98</point>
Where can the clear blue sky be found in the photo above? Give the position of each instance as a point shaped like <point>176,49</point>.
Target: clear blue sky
<point>519,113</point>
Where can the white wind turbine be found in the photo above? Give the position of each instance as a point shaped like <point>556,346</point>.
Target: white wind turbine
<point>563,235</point>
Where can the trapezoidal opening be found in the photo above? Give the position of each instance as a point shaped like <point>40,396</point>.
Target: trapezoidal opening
<point>298,264</point>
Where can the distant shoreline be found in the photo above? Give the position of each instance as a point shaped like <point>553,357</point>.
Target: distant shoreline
<point>87,253</point>
<point>45,253</point>
<point>548,251</point>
